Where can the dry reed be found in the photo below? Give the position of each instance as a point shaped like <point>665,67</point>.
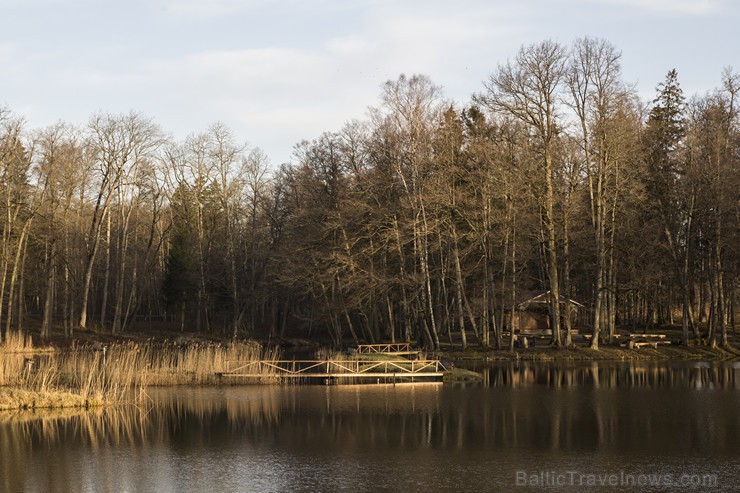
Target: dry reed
<point>17,342</point>
<point>114,373</point>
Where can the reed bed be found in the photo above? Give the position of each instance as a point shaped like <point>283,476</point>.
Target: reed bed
<point>197,364</point>
<point>92,375</point>
<point>17,342</point>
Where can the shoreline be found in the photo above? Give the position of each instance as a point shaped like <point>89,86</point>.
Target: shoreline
<point>605,353</point>
<point>205,360</point>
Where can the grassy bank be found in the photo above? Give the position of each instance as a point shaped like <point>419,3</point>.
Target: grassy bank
<point>605,353</point>
<point>89,375</point>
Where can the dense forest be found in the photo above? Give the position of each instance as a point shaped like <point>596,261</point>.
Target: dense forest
<point>421,219</point>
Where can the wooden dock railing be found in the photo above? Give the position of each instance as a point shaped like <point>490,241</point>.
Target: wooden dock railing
<point>307,369</point>
<point>388,348</point>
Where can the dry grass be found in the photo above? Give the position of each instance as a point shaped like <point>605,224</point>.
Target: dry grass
<point>114,373</point>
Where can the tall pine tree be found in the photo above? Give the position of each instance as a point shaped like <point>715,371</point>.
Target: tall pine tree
<point>669,186</point>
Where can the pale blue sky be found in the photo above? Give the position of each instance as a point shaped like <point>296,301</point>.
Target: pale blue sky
<point>277,72</point>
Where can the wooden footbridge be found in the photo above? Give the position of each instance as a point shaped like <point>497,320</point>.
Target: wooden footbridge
<point>339,369</point>
<point>360,367</point>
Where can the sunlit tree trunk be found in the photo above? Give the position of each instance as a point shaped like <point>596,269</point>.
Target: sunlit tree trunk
<point>46,323</point>
<point>14,273</point>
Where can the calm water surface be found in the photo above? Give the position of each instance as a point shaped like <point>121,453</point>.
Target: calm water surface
<point>646,427</point>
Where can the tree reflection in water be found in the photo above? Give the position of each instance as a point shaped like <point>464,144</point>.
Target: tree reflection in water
<point>606,411</point>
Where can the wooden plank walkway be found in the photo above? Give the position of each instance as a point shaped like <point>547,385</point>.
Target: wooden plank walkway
<point>309,369</point>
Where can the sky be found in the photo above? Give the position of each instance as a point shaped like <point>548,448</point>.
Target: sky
<point>278,72</point>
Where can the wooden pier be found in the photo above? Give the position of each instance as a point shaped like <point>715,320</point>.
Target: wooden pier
<point>339,369</point>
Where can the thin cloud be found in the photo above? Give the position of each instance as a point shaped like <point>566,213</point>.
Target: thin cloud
<point>7,51</point>
<point>209,8</point>
<point>680,7</point>
<point>313,64</point>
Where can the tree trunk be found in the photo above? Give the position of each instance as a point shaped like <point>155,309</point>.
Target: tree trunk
<point>566,275</point>
<point>14,273</point>
<point>460,313</point>
<point>428,278</point>
<point>106,281</point>
<point>402,279</point>
<point>21,289</point>
<point>512,325</point>
<point>552,258</point>
<point>46,323</point>
<point>93,244</point>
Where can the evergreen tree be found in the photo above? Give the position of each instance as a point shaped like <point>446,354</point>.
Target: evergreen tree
<point>666,129</point>
<point>179,285</point>
<point>180,281</point>
<point>670,186</point>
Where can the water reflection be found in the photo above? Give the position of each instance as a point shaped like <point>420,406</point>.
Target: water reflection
<point>361,437</point>
<point>630,375</point>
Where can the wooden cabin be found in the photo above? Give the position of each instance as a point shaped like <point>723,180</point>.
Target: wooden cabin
<point>532,316</point>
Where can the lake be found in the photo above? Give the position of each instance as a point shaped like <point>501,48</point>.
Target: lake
<point>527,427</point>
